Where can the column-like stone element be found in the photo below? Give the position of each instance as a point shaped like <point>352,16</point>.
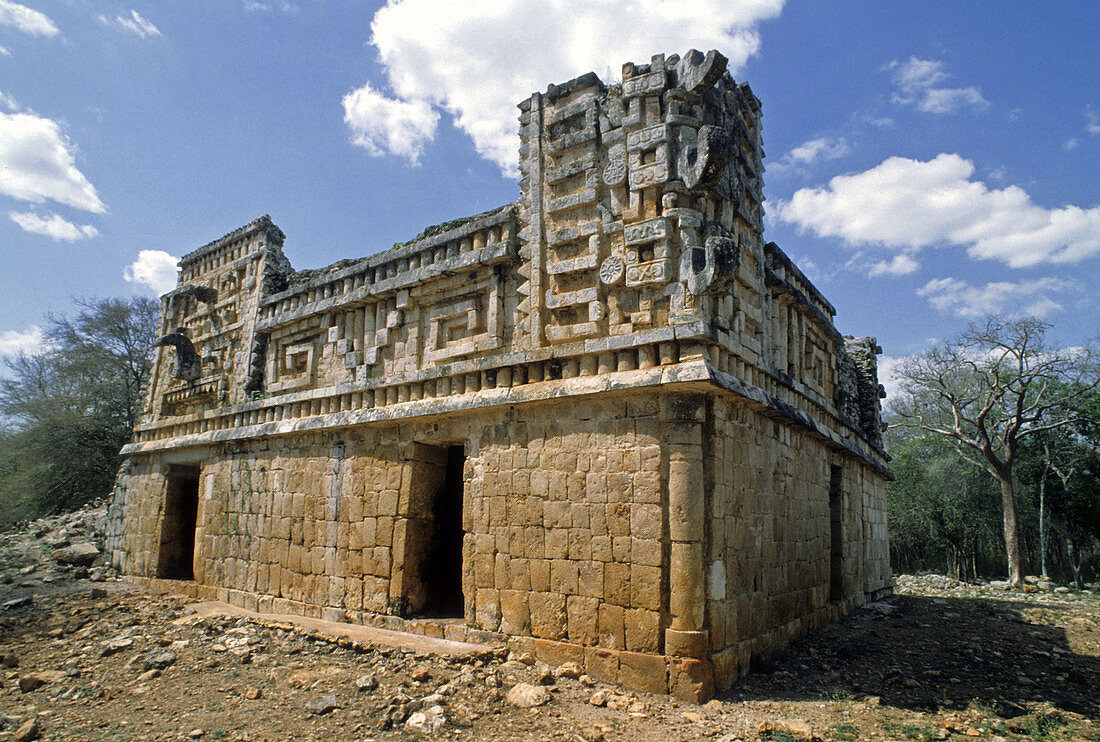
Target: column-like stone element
<point>682,419</point>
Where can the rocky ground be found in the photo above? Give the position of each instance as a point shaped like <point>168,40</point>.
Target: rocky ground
<point>84,656</point>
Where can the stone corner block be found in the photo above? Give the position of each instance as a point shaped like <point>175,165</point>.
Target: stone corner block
<point>691,679</point>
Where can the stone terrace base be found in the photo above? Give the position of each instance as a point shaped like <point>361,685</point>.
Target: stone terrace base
<point>684,677</point>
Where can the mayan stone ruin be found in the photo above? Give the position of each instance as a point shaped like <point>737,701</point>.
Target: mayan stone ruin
<point>606,423</point>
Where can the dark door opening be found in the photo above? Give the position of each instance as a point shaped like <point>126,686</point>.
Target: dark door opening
<point>442,575</point>
<point>428,577</point>
<point>836,533</point>
<point>177,534</point>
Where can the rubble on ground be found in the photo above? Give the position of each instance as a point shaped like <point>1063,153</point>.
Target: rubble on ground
<point>943,659</point>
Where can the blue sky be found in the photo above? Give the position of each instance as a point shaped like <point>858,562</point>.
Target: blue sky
<point>927,162</point>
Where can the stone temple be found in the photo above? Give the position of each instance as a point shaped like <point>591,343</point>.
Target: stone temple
<point>606,423</point>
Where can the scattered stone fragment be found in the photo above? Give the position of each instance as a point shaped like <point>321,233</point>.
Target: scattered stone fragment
<point>600,697</point>
<point>36,680</point>
<point>113,646</point>
<point>421,674</point>
<point>796,729</point>
<point>366,683</point>
<point>323,705</point>
<point>17,602</point>
<point>569,670</point>
<point>159,659</point>
<point>546,677</point>
<point>591,734</point>
<point>253,694</point>
<point>81,554</point>
<point>429,721</point>
<point>27,731</point>
<point>526,695</point>
<point>617,702</point>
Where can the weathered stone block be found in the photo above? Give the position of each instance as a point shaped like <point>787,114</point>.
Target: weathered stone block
<point>548,615</point>
<point>647,673</point>
<point>583,619</point>
<point>691,680</point>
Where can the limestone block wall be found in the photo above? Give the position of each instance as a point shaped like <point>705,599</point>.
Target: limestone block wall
<point>796,535</point>
<point>562,519</point>
<point>134,516</point>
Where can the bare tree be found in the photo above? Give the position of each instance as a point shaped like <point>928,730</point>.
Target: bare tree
<point>988,389</point>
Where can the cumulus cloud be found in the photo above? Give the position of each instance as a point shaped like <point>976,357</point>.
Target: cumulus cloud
<point>462,58</point>
<point>899,265</point>
<point>953,296</point>
<point>887,375</point>
<point>919,81</point>
<point>37,164</point>
<point>905,205</point>
<point>54,227</point>
<point>380,124</point>
<point>27,20</point>
<point>134,23</point>
<point>817,150</point>
<point>154,269</point>
<point>29,341</point>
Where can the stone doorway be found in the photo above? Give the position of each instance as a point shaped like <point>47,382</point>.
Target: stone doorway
<point>177,533</point>
<point>836,533</point>
<point>431,583</point>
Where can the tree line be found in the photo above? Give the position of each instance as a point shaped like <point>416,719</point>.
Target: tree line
<point>995,438</point>
<point>66,410</point>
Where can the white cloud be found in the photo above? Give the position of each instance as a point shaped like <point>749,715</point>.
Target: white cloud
<point>1093,125</point>
<point>284,5</point>
<point>5,51</point>
<point>463,58</point>
<point>8,102</point>
<point>905,205</point>
<point>134,23</point>
<point>36,164</point>
<point>887,368</point>
<point>30,341</point>
<point>155,269</point>
<point>380,124</point>
<point>1071,144</point>
<point>952,296</point>
<point>919,80</point>
<point>26,19</point>
<point>817,150</point>
<point>899,265</point>
<point>54,227</point>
